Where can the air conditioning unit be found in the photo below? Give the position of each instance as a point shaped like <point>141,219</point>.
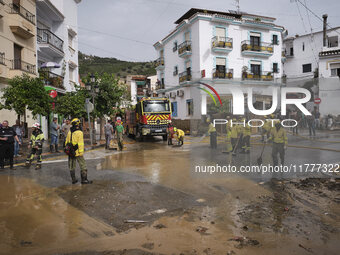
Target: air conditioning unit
<point>172,94</point>
<point>180,93</point>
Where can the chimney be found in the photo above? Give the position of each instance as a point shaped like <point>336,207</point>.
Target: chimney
<point>325,16</point>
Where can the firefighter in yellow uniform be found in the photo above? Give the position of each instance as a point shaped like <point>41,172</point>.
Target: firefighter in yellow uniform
<point>229,146</point>
<point>213,135</point>
<point>246,139</point>
<point>234,135</point>
<point>35,144</point>
<point>76,137</point>
<point>280,141</point>
<point>266,129</point>
<point>179,135</point>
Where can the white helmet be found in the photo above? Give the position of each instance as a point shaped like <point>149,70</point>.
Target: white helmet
<point>36,125</point>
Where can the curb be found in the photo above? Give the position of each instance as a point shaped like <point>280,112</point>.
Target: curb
<point>51,155</point>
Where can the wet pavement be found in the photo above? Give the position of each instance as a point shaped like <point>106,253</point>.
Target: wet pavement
<point>147,200</point>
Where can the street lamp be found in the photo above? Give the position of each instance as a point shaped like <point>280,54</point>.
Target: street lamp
<point>93,89</point>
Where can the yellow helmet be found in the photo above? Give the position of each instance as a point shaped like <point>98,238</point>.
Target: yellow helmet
<point>208,120</point>
<point>75,122</point>
<point>272,115</point>
<point>175,129</point>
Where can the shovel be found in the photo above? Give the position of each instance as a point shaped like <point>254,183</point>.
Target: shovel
<point>259,160</point>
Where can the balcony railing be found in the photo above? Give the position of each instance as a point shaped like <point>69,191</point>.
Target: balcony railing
<point>184,47</point>
<point>52,79</point>
<point>160,62</point>
<point>18,9</point>
<point>46,36</point>
<point>18,64</point>
<point>2,58</point>
<point>262,76</point>
<point>228,74</point>
<point>159,85</point>
<point>263,47</point>
<point>222,42</point>
<point>184,76</point>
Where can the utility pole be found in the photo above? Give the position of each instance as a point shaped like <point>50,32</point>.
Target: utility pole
<point>237,3</point>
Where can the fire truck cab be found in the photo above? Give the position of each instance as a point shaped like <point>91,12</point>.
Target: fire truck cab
<point>150,117</point>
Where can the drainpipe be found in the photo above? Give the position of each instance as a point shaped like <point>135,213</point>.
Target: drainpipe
<point>325,16</point>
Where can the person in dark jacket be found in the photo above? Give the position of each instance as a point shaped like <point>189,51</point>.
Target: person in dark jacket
<point>7,138</point>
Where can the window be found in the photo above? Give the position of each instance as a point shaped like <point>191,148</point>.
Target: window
<point>220,33</point>
<point>175,70</point>
<point>70,40</point>
<point>71,74</point>
<point>275,40</point>
<point>275,68</point>
<point>187,36</point>
<point>303,46</point>
<point>190,107</point>
<point>333,72</point>
<point>255,69</point>
<point>220,67</point>
<point>333,41</point>
<point>175,47</point>
<point>17,56</point>
<point>291,51</point>
<point>307,68</point>
<point>255,40</point>
<point>174,109</point>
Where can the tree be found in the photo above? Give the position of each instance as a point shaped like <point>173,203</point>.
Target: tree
<point>25,92</point>
<point>72,104</point>
<point>224,108</point>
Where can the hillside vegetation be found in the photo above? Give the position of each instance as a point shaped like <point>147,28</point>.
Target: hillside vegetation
<point>93,64</point>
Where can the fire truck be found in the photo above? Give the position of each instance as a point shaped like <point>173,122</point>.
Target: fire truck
<point>150,117</point>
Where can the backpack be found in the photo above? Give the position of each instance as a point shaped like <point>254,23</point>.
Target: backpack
<point>70,149</point>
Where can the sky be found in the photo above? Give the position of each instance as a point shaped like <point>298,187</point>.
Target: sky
<point>127,29</point>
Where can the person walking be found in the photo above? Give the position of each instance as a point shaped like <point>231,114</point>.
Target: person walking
<point>311,124</point>
<point>108,129</point>
<point>280,141</point>
<point>7,138</point>
<point>213,134</point>
<point>54,127</point>
<point>65,128</point>
<point>170,132</point>
<point>316,115</point>
<point>119,133</point>
<point>35,145</point>
<point>19,130</point>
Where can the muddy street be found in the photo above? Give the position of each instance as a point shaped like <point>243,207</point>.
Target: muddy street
<point>147,200</point>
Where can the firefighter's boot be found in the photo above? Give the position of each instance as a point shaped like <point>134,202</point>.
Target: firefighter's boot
<point>73,176</point>
<point>38,166</point>
<point>84,179</point>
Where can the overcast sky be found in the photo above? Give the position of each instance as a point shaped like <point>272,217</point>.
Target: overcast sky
<point>127,29</point>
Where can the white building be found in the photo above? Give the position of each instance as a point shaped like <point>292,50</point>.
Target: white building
<point>221,49</point>
<point>312,61</point>
<point>57,41</point>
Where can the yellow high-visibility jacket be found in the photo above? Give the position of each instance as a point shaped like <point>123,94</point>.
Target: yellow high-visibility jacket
<point>246,131</point>
<point>211,128</point>
<point>77,138</point>
<point>234,131</point>
<point>267,125</point>
<point>279,136</point>
<point>179,133</point>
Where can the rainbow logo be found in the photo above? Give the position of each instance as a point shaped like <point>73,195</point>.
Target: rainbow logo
<point>209,93</point>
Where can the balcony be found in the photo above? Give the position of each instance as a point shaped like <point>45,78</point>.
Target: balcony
<point>52,79</point>
<point>49,43</point>
<point>184,77</point>
<point>264,49</point>
<point>184,49</point>
<point>160,63</point>
<point>228,74</point>
<point>329,53</point>
<point>262,76</point>
<point>221,44</point>
<point>18,9</point>
<point>18,64</point>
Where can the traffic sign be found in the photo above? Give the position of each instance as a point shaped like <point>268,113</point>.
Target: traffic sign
<point>317,100</point>
<point>53,93</point>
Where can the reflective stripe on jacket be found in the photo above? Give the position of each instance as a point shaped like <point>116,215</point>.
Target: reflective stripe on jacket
<point>37,137</point>
<point>211,128</point>
<point>77,139</point>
